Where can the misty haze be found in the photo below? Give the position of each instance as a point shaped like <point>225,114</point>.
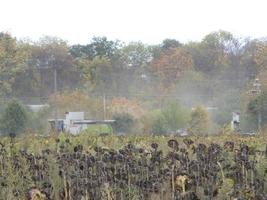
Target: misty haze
<point>151,118</point>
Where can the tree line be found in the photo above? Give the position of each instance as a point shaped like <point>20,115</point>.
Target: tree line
<point>217,71</point>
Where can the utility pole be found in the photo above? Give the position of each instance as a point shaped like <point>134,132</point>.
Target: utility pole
<point>104,106</point>
<point>257,91</point>
<point>55,97</point>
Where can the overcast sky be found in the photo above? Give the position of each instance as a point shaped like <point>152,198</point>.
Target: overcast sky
<point>149,21</point>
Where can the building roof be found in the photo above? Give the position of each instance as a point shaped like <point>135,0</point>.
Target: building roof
<point>93,121</point>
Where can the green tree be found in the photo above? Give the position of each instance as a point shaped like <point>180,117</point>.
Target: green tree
<point>212,54</point>
<point>99,46</point>
<point>50,54</point>
<point>14,118</point>
<point>100,64</point>
<point>199,123</point>
<point>159,126</point>
<point>259,106</point>
<point>175,116</point>
<point>13,62</point>
<point>135,55</point>
<point>154,123</point>
<point>91,70</point>
<point>130,70</point>
<point>170,43</point>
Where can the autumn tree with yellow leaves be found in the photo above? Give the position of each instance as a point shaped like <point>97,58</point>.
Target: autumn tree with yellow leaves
<point>170,66</point>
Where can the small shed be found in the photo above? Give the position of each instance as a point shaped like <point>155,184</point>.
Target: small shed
<point>235,123</point>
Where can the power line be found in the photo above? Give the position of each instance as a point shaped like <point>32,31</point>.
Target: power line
<point>119,74</point>
<point>118,95</point>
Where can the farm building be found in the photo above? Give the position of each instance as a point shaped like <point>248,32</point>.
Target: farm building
<point>74,123</point>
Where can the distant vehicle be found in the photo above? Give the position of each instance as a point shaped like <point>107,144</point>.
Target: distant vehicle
<point>248,133</point>
<point>37,108</point>
<point>182,132</point>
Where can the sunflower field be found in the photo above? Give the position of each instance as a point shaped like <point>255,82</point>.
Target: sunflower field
<point>133,167</point>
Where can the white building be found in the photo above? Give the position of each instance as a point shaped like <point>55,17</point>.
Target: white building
<point>74,123</point>
<point>235,123</point>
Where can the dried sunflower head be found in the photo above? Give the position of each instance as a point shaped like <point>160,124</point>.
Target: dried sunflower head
<point>173,144</point>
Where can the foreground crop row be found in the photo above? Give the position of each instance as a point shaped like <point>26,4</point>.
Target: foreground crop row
<point>184,169</point>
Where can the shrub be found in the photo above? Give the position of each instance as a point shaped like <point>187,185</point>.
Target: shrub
<point>199,123</point>
<point>175,116</point>
<point>159,125</point>
<point>148,121</point>
<point>169,120</point>
<point>37,121</point>
<point>14,118</point>
<point>124,122</point>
